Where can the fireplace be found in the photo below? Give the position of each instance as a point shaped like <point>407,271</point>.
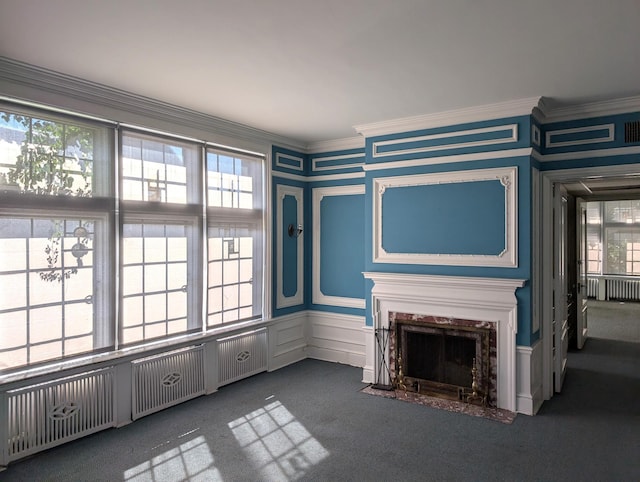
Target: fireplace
<point>463,302</point>
<point>437,356</point>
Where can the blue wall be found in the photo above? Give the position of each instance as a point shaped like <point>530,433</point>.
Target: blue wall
<point>417,219</point>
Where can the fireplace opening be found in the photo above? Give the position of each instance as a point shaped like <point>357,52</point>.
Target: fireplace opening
<point>439,360</point>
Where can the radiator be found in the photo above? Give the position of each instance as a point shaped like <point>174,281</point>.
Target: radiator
<point>241,356</point>
<point>52,413</point>
<point>592,288</point>
<point>623,289</point>
<point>164,380</point>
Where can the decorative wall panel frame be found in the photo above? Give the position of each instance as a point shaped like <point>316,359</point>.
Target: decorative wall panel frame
<point>508,257</point>
<point>357,161</point>
<point>283,301</point>
<point>513,137</point>
<point>299,160</point>
<point>609,137</point>
<point>318,296</point>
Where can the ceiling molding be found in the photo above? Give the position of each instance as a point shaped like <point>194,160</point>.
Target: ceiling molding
<point>499,110</point>
<point>547,112</point>
<point>50,82</point>
<point>347,143</point>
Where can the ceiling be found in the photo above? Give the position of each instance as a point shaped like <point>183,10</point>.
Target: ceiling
<point>310,70</point>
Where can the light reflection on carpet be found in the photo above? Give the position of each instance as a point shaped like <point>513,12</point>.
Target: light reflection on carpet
<point>191,460</point>
<point>276,443</point>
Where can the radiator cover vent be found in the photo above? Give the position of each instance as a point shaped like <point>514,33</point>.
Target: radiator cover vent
<point>166,379</point>
<point>632,132</point>
<point>44,415</point>
<point>241,356</point>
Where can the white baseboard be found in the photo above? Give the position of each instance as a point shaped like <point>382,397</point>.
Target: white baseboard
<point>529,396</point>
<point>336,338</point>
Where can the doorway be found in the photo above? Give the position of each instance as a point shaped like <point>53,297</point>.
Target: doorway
<point>601,183</point>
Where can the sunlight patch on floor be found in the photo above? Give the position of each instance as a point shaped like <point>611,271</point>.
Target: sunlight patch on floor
<point>278,445</point>
<point>191,461</point>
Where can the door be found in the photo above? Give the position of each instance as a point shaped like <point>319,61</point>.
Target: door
<point>560,301</point>
<point>581,230</point>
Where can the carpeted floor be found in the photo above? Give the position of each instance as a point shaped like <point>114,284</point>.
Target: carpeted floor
<point>311,421</point>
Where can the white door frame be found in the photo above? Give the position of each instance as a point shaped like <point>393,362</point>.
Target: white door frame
<point>549,178</point>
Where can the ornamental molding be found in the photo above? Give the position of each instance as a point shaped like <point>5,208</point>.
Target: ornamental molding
<point>498,110</point>
<point>507,258</point>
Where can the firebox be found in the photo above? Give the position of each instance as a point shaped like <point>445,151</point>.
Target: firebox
<point>447,360</point>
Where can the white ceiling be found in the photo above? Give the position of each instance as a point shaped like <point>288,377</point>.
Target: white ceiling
<point>312,69</point>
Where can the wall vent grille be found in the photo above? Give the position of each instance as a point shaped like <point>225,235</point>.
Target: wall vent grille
<point>632,132</point>
<point>48,414</point>
<point>164,380</point>
<point>241,356</point>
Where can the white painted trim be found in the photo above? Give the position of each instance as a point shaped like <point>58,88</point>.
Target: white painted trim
<point>369,346</point>
<point>536,138</point>
<point>476,156</point>
<point>326,177</point>
<point>441,147</point>
<point>336,338</point>
<point>298,299</point>
<point>334,145</point>
<point>608,138</point>
<point>548,180</point>
<point>287,340</point>
<point>498,110</point>
<point>529,380</point>
<point>507,258</point>
<point>49,88</point>
<point>536,244</point>
<point>319,298</point>
<point>484,299</point>
<point>570,156</point>
<point>281,155</point>
<point>593,109</point>
<point>360,163</point>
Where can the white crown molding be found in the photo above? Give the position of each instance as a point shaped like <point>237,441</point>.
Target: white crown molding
<point>499,110</point>
<point>50,82</point>
<point>596,153</point>
<point>335,145</point>
<point>318,297</point>
<point>547,112</point>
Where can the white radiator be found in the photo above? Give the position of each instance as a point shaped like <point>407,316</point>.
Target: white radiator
<point>163,380</point>
<point>49,414</point>
<point>241,356</point>
<point>623,289</point>
<point>592,287</point>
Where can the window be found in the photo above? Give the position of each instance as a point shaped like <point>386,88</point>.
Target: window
<point>234,233</point>
<point>54,238</point>
<point>82,269</point>
<point>613,236</point>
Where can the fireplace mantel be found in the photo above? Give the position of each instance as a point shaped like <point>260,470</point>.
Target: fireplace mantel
<point>483,299</point>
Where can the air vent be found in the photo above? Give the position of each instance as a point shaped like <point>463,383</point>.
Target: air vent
<point>632,132</point>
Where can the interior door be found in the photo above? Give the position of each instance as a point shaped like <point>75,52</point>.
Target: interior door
<point>560,302</point>
<point>581,230</point>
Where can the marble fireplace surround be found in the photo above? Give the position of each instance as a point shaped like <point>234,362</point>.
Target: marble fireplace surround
<point>482,299</point>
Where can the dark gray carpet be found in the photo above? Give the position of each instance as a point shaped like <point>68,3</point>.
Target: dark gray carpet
<point>310,421</point>
<point>614,320</point>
